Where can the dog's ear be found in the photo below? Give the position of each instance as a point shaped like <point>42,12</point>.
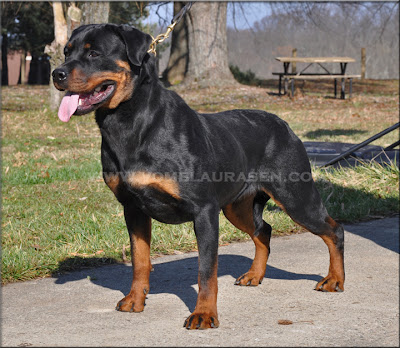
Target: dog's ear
<point>137,43</point>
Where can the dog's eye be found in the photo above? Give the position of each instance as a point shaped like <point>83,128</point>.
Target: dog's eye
<point>93,54</point>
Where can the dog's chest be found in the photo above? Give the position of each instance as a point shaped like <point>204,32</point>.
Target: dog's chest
<point>158,196</point>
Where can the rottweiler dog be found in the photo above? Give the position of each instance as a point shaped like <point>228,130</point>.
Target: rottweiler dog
<point>165,161</point>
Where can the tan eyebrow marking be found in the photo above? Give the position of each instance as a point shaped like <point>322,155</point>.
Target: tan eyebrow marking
<point>123,65</point>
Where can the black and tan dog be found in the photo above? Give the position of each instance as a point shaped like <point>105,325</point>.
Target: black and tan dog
<point>165,161</point>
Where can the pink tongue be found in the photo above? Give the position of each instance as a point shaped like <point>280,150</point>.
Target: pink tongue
<point>68,106</point>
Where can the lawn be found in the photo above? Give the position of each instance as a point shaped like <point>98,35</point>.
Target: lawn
<point>58,215</point>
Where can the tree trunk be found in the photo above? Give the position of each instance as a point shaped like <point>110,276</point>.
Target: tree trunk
<point>208,49</point>
<point>4,65</point>
<point>56,51</point>
<point>363,60</point>
<point>95,12</point>
<point>179,57</point>
<point>23,68</point>
<point>74,17</point>
<point>60,25</point>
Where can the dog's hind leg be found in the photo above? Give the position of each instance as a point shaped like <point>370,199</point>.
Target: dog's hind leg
<point>334,239</point>
<point>302,202</point>
<point>246,215</point>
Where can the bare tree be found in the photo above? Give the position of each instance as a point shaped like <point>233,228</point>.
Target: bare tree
<point>95,12</point>
<point>55,50</point>
<point>208,50</point>
<point>179,55</point>
<point>92,12</point>
<point>204,58</point>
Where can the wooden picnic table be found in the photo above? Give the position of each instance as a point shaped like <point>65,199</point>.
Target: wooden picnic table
<point>304,75</point>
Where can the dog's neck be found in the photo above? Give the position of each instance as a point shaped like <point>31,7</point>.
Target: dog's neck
<point>151,106</point>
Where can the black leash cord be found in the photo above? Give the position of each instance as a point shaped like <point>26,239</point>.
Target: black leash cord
<point>182,12</point>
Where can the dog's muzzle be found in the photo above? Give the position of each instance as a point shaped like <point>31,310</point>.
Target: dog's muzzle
<point>60,78</point>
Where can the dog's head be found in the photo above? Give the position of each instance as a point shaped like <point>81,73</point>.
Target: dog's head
<point>101,61</point>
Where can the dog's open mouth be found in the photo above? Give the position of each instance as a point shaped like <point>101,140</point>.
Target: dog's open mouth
<point>83,103</point>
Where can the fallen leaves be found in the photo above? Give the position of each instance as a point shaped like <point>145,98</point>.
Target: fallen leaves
<point>86,254</point>
<point>19,159</point>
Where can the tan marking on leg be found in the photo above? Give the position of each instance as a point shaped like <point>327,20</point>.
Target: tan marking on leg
<point>141,266</point>
<point>205,314</point>
<point>112,182</point>
<point>334,281</point>
<point>240,214</point>
<point>279,204</point>
<point>140,246</point>
<point>335,277</point>
<point>207,298</point>
<point>331,222</point>
<point>159,182</point>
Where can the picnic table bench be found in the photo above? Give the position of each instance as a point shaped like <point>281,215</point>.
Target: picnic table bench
<point>303,75</point>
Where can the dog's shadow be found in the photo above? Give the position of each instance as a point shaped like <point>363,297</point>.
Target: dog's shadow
<point>175,277</point>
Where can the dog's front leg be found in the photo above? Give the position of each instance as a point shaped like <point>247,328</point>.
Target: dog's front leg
<point>139,228</point>
<point>206,228</point>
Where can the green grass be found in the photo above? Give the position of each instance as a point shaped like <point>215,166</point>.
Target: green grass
<point>58,215</point>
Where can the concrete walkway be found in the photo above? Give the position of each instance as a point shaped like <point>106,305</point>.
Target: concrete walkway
<point>77,309</point>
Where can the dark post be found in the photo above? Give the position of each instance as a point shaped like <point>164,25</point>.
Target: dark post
<point>363,59</point>
<point>4,67</point>
<point>294,54</point>
<point>335,87</point>
<point>23,68</point>
<point>342,91</point>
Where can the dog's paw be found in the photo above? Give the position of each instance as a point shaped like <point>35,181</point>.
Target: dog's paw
<point>330,284</point>
<point>249,279</point>
<point>130,304</point>
<point>201,321</point>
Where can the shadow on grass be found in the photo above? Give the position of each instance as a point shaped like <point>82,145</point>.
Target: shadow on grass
<point>175,277</point>
<point>276,94</point>
<point>333,132</point>
<point>75,263</point>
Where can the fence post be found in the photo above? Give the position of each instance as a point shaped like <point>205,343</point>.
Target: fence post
<point>363,59</point>
<point>294,54</point>
<point>23,68</point>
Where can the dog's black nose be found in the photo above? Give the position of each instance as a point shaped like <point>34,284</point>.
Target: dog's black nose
<point>59,75</point>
